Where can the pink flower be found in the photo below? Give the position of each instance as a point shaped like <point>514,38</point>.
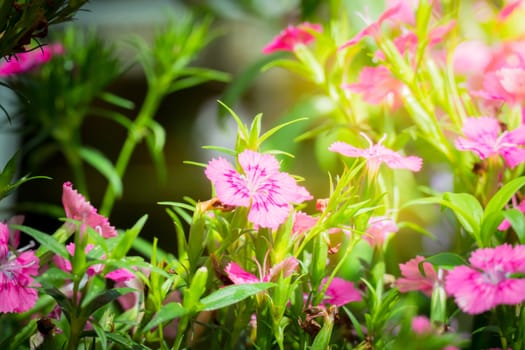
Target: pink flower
<point>23,62</point>
<point>303,222</point>
<point>261,187</point>
<point>506,84</point>
<point>421,325</point>
<point>292,36</point>
<point>380,228</point>
<point>467,63</point>
<point>77,208</point>
<point>378,85</point>
<point>240,276</point>
<point>412,278</point>
<point>484,137</point>
<point>374,28</point>
<point>17,290</point>
<point>340,292</point>
<point>488,282</point>
<point>377,154</point>
<point>509,9</point>
<point>118,275</point>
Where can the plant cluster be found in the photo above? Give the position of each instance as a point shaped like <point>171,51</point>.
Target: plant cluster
<point>409,99</point>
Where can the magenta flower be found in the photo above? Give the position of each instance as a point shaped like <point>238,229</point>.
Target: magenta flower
<point>377,154</point>
<point>484,137</point>
<point>412,279</point>
<point>340,292</point>
<point>26,61</point>
<point>292,36</point>
<point>488,281</point>
<point>17,289</point>
<point>77,208</point>
<point>380,228</point>
<point>261,187</point>
<point>421,325</point>
<point>240,276</point>
<point>378,85</point>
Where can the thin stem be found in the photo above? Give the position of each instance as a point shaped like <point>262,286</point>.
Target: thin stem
<point>135,134</point>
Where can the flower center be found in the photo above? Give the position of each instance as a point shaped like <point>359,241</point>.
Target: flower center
<point>494,276</point>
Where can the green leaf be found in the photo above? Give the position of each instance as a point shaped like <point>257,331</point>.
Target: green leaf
<point>45,240</point>
<point>144,247</point>
<point>101,334</point>
<point>490,225</point>
<point>62,300</point>
<point>322,339</point>
<point>232,294</point>
<point>517,221</point>
<point>9,171</point>
<point>104,298</point>
<point>166,313</point>
<point>98,161</point>
<point>126,240</point>
<point>117,100</point>
<point>125,341</point>
<point>467,209</point>
<point>503,196</point>
<point>446,260</point>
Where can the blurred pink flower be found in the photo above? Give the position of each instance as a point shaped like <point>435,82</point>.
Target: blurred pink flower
<point>23,62</point>
<point>261,187</point>
<point>303,222</point>
<point>240,276</point>
<point>485,138</point>
<point>17,288</point>
<point>377,154</point>
<point>468,64</point>
<point>292,36</point>
<point>509,9</point>
<point>374,28</point>
<point>421,325</point>
<point>380,228</point>
<point>340,292</point>
<point>412,279</point>
<point>378,85</point>
<point>77,208</point>
<point>506,84</point>
<point>488,281</point>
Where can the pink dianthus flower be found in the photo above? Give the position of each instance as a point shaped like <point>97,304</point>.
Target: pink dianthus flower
<point>485,138</point>
<point>261,187</point>
<point>77,208</point>
<point>412,279</point>
<point>292,36</point>
<point>17,289</point>
<point>377,154</point>
<point>488,281</point>
<point>26,61</point>
<point>240,276</point>
<point>340,292</point>
<point>380,228</point>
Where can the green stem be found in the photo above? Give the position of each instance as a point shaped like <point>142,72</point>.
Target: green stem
<point>135,134</point>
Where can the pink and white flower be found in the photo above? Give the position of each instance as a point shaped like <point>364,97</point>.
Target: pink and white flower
<point>292,36</point>
<point>484,137</point>
<point>488,281</point>
<point>17,287</point>
<point>77,208</point>
<point>261,187</point>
